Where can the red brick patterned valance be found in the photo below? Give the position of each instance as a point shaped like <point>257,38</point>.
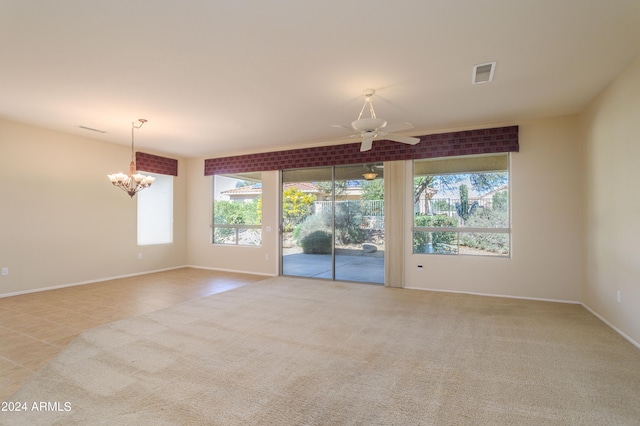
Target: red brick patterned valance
<point>156,164</point>
<point>469,142</point>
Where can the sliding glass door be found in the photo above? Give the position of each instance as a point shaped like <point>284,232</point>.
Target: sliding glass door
<point>333,223</point>
<point>359,223</point>
<point>307,228</point>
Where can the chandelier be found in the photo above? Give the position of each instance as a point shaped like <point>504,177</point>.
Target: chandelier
<point>133,182</point>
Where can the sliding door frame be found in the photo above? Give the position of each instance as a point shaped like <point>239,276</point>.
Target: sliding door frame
<point>333,200</point>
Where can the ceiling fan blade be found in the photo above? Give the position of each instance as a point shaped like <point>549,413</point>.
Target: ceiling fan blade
<point>340,126</point>
<point>366,145</point>
<point>397,127</point>
<point>403,139</point>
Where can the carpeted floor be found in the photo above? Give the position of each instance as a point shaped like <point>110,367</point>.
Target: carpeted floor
<point>287,351</point>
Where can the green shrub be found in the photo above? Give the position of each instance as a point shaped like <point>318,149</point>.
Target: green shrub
<point>435,242</point>
<point>348,219</point>
<point>315,222</point>
<point>501,201</point>
<point>237,212</point>
<point>296,232</point>
<point>317,242</point>
<point>440,220</point>
<point>493,242</point>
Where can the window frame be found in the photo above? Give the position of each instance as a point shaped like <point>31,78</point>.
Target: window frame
<point>238,227</point>
<point>458,230</point>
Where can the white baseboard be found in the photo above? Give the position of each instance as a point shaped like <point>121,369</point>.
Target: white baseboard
<point>231,270</point>
<point>616,329</point>
<point>98,280</point>
<point>506,296</point>
<point>597,315</point>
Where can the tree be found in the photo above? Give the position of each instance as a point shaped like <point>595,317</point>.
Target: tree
<point>421,183</point>
<point>234,213</point>
<point>485,182</point>
<point>500,200</point>
<point>339,186</point>
<point>296,205</point>
<point>242,183</point>
<point>373,189</point>
<point>463,208</point>
<point>237,212</point>
<point>481,182</point>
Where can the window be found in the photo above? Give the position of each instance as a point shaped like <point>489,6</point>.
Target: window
<point>237,209</point>
<point>155,212</point>
<point>461,206</point>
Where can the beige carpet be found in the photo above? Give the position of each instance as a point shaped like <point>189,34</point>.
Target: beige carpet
<point>290,351</point>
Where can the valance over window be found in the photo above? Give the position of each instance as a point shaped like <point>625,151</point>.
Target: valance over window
<point>155,164</point>
<point>469,142</point>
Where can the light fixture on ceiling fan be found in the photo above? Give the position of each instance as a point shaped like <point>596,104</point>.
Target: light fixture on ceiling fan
<point>133,182</point>
<point>373,128</point>
<point>369,173</point>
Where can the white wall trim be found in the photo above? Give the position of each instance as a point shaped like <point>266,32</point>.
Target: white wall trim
<point>573,302</point>
<point>237,271</point>
<point>616,329</point>
<point>36,290</point>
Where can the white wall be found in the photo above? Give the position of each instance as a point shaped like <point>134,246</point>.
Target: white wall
<point>546,217</point>
<point>611,126</point>
<point>202,253</point>
<point>62,222</point>
<point>547,205</point>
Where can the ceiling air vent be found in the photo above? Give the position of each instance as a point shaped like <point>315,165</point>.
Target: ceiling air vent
<point>483,73</point>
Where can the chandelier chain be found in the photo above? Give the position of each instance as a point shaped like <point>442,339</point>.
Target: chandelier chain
<point>133,182</point>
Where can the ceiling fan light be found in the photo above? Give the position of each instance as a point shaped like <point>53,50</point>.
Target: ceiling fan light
<point>368,124</point>
<point>369,175</point>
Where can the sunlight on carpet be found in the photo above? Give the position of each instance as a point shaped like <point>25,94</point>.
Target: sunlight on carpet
<point>294,351</point>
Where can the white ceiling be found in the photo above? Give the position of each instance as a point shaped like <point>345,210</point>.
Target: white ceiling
<point>221,77</point>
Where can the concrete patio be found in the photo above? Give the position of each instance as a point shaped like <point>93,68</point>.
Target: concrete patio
<point>369,269</point>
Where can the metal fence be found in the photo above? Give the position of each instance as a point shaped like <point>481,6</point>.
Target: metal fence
<point>374,208</point>
<point>372,211</point>
<point>447,206</point>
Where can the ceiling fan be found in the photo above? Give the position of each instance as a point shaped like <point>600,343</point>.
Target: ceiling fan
<point>373,128</point>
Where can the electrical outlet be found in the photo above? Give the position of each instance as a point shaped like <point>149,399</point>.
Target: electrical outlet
<point>619,296</point>
<point>266,257</point>
<point>5,271</point>
<point>139,255</point>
